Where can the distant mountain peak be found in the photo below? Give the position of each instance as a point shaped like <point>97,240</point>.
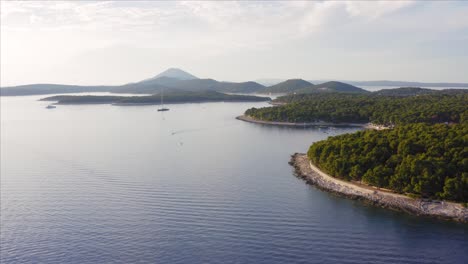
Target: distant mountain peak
<point>333,86</point>
<point>288,86</point>
<point>176,74</point>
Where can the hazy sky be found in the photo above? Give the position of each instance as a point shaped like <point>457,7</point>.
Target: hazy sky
<point>118,42</point>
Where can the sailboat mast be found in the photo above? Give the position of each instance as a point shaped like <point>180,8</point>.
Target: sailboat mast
<point>162,101</point>
<point>162,96</point>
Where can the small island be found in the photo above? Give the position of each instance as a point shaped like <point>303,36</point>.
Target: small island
<point>172,97</point>
<point>413,159</point>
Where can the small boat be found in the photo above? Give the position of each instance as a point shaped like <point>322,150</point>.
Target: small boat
<point>162,109</point>
<point>51,107</point>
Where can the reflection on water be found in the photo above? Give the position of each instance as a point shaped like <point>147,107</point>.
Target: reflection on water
<point>102,183</point>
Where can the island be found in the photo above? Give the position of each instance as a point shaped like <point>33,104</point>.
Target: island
<point>414,160</point>
<point>170,98</point>
<point>299,86</point>
<point>172,79</point>
<point>288,86</point>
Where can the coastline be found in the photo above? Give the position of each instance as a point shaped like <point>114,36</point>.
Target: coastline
<point>304,124</point>
<point>277,103</point>
<point>148,103</point>
<point>187,102</point>
<point>439,209</point>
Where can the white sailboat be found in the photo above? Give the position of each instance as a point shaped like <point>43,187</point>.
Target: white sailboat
<point>162,102</point>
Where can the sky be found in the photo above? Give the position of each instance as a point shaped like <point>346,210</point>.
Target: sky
<point>116,42</point>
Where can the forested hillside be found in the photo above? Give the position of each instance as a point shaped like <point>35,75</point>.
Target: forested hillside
<point>425,153</point>
<point>330,87</point>
<point>288,86</point>
<point>395,110</point>
<point>426,160</point>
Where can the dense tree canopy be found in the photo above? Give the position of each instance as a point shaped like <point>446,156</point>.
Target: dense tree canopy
<point>425,154</point>
<point>426,160</point>
<point>339,107</point>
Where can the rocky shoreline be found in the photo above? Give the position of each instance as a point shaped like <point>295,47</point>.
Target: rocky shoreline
<point>304,124</point>
<point>440,209</point>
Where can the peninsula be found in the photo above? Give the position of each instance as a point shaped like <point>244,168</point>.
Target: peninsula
<point>376,196</point>
<point>376,108</point>
<point>413,160</point>
<point>250,119</point>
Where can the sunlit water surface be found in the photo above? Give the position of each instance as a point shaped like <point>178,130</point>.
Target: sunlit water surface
<point>102,183</point>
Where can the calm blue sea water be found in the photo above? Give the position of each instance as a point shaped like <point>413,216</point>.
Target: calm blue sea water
<point>109,184</point>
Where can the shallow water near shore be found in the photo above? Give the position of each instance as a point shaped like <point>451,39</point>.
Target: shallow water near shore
<point>103,183</point>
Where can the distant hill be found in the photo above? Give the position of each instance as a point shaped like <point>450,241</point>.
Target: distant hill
<point>393,84</point>
<point>411,91</point>
<point>287,86</point>
<point>45,88</point>
<point>242,87</point>
<point>140,88</point>
<point>213,85</point>
<point>407,84</point>
<point>332,86</point>
<point>175,79</point>
<point>167,83</point>
<point>404,91</point>
<point>169,80</point>
<point>151,86</point>
<point>272,81</point>
<point>176,74</point>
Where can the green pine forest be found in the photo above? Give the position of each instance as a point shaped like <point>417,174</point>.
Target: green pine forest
<point>354,108</point>
<point>425,154</point>
<point>429,161</point>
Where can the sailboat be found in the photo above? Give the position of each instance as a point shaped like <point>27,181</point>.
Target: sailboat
<point>162,102</point>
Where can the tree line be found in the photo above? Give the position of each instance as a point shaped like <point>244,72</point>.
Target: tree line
<point>425,160</point>
<point>383,110</point>
<point>424,155</point>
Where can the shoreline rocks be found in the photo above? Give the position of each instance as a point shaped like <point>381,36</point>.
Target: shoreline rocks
<point>304,124</point>
<point>440,209</point>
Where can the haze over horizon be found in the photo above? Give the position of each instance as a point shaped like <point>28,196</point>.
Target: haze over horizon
<point>116,42</point>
